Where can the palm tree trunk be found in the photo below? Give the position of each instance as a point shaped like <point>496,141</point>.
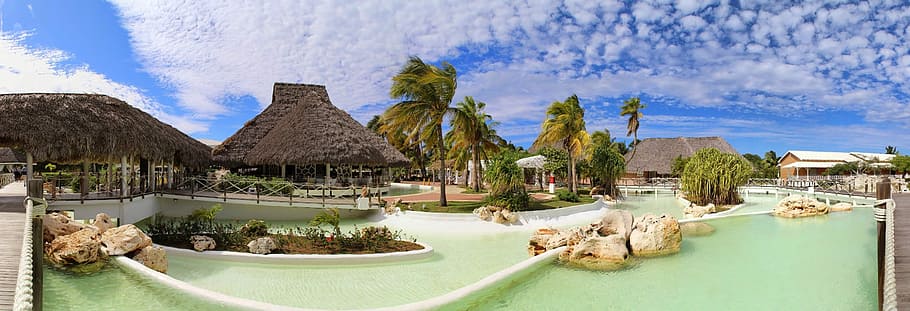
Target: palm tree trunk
<point>442,168</point>
<point>572,186</point>
<point>476,171</point>
<point>634,146</point>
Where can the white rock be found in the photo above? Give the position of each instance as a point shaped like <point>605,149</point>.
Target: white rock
<point>124,239</point>
<point>655,236</point>
<point>262,246</point>
<point>153,257</point>
<point>201,242</point>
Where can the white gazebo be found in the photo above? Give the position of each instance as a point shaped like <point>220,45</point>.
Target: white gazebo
<point>535,163</point>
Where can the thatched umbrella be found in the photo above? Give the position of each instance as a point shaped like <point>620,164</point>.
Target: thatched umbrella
<point>72,128</point>
<point>657,154</point>
<point>302,127</point>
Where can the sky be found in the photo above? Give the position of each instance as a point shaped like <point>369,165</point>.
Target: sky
<point>764,75</point>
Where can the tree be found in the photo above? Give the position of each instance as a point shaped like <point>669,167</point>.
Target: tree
<point>425,92</point>
<point>607,166</point>
<point>557,162</point>
<point>679,166</point>
<point>565,128</point>
<point>375,124</point>
<point>848,168</point>
<point>507,182</point>
<point>891,150</point>
<point>901,163</point>
<point>473,134</point>
<point>712,176</point>
<point>632,107</point>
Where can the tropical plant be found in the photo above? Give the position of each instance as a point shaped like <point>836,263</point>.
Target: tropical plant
<point>607,166</point>
<point>254,228</point>
<point>901,164</point>
<point>712,176</point>
<point>564,127</point>
<point>762,168</point>
<point>426,92</point>
<point>472,135</point>
<point>328,217</point>
<point>679,166</point>
<point>632,107</point>
<point>565,195</point>
<point>506,178</point>
<point>375,124</point>
<point>206,214</point>
<point>849,168</point>
<point>891,150</point>
<point>557,161</point>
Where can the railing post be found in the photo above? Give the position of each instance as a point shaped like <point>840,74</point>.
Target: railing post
<point>881,193</point>
<point>37,262</point>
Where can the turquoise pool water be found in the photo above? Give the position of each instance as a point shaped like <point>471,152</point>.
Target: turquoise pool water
<point>751,262</point>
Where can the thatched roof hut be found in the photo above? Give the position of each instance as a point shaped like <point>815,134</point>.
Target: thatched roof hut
<point>11,156</point>
<point>302,127</point>
<point>658,154</point>
<point>71,128</point>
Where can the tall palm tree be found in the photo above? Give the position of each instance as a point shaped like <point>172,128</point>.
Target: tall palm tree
<point>425,92</point>
<point>564,128</point>
<point>632,107</point>
<point>473,133</point>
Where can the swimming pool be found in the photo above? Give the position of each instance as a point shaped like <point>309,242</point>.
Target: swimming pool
<point>752,262</point>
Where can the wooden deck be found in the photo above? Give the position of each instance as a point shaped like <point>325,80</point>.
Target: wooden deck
<point>12,222</point>
<point>902,247</point>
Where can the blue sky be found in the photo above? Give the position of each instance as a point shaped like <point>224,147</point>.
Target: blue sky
<point>763,75</point>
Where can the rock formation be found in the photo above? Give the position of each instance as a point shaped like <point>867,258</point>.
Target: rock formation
<point>616,222</point>
<point>57,224</point>
<point>696,211</point>
<point>538,243</point>
<point>124,239</point>
<point>696,229</point>
<point>153,257</point>
<point>841,207</point>
<point>655,236</point>
<point>102,222</point>
<point>83,246</point>
<point>799,206</point>
<point>262,246</point>
<point>600,253</point>
<point>496,214</point>
<point>202,243</point>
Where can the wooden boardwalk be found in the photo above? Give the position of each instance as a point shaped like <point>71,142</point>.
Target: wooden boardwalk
<point>12,222</point>
<point>902,248</point>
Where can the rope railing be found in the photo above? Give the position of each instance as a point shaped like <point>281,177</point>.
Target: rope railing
<point>24,285</point>
<point>889,284</point>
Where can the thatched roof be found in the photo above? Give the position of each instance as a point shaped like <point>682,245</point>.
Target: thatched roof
<point>10,156</point>
<point>71,128</point>
<point>658,154</point>
<point>300,127</point>
<point>532,162</point>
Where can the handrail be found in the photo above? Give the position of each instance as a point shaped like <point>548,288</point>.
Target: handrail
<point>6,179</point>
<point>889,284</point>
<point>24,285</point>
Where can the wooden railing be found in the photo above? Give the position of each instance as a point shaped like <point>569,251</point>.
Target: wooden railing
<point>6,179</point>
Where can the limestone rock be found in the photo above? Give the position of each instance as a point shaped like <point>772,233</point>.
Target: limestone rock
<point>538,243</point>
<point>83,246</point>
<point>655,236</point>
<point>57,224</point>
<point>391,208</point>
<point>201,242</point>
<point>841,207</point>
<point>483,213</point>
<point>561,238</point>
<point>601,253</point>
<point>124,239</point>
<point>153,257</point>
<point>505,216</point>
<point>696,229</point>
<point>103,222</point>
<point>696,211</point>
<point>616,222</point>
<point>799,206</point>
<point>262,246</point>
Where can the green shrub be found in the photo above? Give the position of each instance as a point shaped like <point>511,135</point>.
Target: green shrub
<point>568,196</point>
<point>328,217</point>
<point>506,178</point>
<point>205,214</point>
<point>712,176</point>
<point>254,228</point>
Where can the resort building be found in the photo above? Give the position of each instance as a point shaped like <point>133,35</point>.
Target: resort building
<point>654,156</point>
<point>11,160</point>
<point>302,137</point>
<point>809,164</point>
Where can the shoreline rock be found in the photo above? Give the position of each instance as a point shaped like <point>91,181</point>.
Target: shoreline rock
<point>655,236</point>
<point>799,206</point>
<point>124,239</point>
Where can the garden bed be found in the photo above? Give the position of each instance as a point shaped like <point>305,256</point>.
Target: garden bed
<point>290,244</point>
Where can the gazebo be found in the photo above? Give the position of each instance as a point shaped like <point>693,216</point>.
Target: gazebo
<point>302,137</point>
<point>91,128</point>
<point>535,163</point>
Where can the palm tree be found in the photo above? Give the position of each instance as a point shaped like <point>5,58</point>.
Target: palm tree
<point>565,128</point>
<point>375,124</point>
<point>890,150</point>
<point>632,107</point>
<point>425,92</point>
<point>473,133</point>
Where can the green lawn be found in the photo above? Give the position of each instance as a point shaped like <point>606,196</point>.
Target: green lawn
<point>467,207</point>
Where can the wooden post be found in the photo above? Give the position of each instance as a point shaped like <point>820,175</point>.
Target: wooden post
<point>29,162</point>
<point>883,191</point>
<point>37,262</point>
<point>124,176</point>
<point>284,169</point>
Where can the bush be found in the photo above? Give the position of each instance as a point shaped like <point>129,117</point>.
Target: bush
<point>712,176</point>
<point>507,188</point>
<point>205,214</point>
<point>254,228</point>
<point>568,196</point>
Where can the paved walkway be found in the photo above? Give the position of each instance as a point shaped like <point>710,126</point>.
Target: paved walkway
<point>12,222</point>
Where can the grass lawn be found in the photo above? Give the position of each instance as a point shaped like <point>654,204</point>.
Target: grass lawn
<point>467,207</point>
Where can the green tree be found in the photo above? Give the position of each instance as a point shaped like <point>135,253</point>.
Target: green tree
<point>901,163</point>
<point>426,93</point>
<point>891,150</point>
<point>565,127</point>
<point>375,124</point>
<point>632,107</point>
<point>679,165</point>
<point>507,182</point>
<point>607,166</point>
<point>848,168</point>
<point>473,135</point>
<point>712,176</point>
<point>557,162</point>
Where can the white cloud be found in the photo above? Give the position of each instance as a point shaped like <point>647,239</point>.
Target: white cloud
<point>29,70</point>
